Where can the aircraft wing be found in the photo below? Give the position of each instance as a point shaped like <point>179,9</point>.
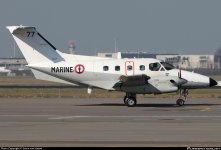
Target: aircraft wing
<point>137,80</point>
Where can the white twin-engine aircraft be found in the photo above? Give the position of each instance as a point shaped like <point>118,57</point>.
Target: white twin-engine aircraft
<point>132,76</point>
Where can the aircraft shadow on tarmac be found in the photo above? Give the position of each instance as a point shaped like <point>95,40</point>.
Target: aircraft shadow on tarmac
<point>150,105</point>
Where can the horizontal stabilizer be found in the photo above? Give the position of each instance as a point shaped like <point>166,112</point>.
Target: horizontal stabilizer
<point>42,76</point>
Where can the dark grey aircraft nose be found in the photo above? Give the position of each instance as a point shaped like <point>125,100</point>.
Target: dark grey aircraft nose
<point>212,82</point>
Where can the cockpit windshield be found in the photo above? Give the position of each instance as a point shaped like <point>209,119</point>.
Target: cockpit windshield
<point>167,66</point>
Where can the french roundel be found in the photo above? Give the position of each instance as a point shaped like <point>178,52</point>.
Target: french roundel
<point>79,69</point>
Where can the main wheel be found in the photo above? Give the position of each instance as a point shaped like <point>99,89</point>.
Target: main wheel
<point>131,102</point>
<point>125,100</point>
<point>180,102</point>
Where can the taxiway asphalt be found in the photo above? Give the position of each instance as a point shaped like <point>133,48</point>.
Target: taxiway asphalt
<point>108,122</point>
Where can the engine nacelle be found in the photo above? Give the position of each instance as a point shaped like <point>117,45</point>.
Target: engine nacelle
<point>158,85</point>
<point>155,85</point>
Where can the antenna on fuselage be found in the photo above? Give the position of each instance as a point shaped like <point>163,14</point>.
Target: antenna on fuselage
<point>115,45</point>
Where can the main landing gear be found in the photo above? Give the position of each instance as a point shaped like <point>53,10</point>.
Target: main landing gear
<point>183,93</point>
<point>130,100</point>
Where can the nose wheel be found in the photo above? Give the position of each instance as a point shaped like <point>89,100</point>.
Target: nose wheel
<point>180,102</point>
<point>130,100</point>
<point>183,93</point>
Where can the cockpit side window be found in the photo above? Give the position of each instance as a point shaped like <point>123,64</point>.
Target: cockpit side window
<point>167,66</point>
<point>154,66</point>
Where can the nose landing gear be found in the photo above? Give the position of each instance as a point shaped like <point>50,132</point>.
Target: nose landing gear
<point>180,102</point>
<point>183,94</point>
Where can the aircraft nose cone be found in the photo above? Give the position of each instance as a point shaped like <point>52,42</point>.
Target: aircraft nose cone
<point>212,82</point>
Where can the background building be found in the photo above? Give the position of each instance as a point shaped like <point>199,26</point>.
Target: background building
<point>17,67</point>
<point>184,61</point>
<point>205,64</point>
<point>217,59</point>
<point>189,61</point>
<point>72,47</point>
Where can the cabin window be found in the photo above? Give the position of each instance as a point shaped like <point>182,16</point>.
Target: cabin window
<point>117,68</point>
<point>105,68</point>
<point>142,67</point>
<point>154,66</point>
<point>129,68</point>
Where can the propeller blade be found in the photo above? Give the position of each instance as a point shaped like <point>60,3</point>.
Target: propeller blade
<point>179,73</point>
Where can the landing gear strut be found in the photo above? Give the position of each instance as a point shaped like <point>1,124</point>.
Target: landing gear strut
<point>183,93</point>
<point>130,100</point>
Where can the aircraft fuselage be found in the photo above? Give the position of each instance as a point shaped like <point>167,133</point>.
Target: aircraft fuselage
<point>105,74</point>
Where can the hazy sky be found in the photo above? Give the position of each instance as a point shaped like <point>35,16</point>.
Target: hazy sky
<point>173,26</point>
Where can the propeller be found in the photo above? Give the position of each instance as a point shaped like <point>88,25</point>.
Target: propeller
<point>179,81</point>
<point>180,77</point>
<point>179,73</point>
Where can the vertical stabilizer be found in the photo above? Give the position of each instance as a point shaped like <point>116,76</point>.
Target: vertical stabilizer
<point>33,45</point>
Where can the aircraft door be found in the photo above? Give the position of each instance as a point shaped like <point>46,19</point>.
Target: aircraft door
<point>129,68</point>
